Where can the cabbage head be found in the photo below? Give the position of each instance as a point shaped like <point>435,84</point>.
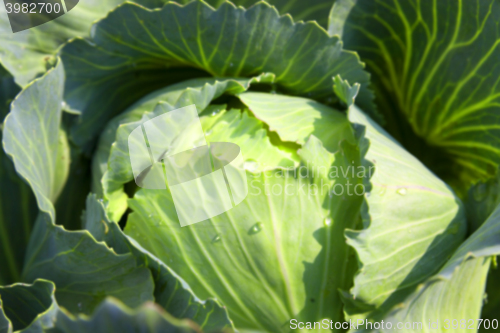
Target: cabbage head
<point>367,143</point>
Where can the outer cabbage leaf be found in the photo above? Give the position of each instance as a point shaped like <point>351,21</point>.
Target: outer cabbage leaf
<point>170,291</point>
<point>113,317</point>
<point>31,136</point>
<point>30,307</point>
<point>148,50</point>
<point>274,256</point>
<point>33,309</point>
<point>35,139</point>
<point>402,242</point>
<point>80,288</point>
<point>435,72</point>
<point>457,291</point>
<point>18,208</point>
<point>300,10</point>
<point>84,271</point>
<point>412,223</point>
<point>26,53</point>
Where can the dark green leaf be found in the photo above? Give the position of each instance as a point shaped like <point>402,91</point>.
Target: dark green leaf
<point>484,242</point>
<point>71,201</point>
<point>26,53</point>
<point>84,271</point>
<point>33,309</point>
<point>113,317</point>
<point>170,292</point>
<point>23,303</point>
<point>435,71</point>
<point>8,90</point>
<point>140,50</point>
<point>17,203</point>
<point>310,10</point>
<point>491,308</point>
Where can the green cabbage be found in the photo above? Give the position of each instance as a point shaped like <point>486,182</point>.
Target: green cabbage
<point>370,190</point>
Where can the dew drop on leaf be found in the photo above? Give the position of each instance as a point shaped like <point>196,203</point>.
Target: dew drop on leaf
<point>216,238</point>
<point>401,191</point>
<point>250,165</point>
<point>257,227</point>
<point>328,221</point>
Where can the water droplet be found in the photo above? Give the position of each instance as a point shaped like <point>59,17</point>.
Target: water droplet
<point>214,113</point>
<point>257,227</point>
<point>401,191</point>
<point>328,221</point>
<point>216,238</point>
<point>479,192</point>
<point>382,191</point>
<point>207,133</point>
<point>80,307</point>
<point>250,165</point>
